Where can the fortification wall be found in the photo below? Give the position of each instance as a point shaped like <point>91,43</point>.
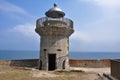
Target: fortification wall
<point>115,68</point>
<point>5,62</point>
<point>73,63</point>
<point>89,63</point>
<point>20,63</point>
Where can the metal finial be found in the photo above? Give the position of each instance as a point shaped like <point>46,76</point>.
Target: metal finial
<point>55,5</point>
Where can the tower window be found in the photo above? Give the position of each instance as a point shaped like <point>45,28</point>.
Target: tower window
<point>44,49</point>
<point>59,50</point>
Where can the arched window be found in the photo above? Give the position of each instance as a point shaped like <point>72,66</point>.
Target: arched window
<point>40,66</point>
<point>63,64</point>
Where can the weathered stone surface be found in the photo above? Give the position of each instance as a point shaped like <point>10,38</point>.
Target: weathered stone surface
<point>54,31</point>
<point>54,40</point>
<point>115,68</point>
<point>90,63</point>
<point>54,45</point>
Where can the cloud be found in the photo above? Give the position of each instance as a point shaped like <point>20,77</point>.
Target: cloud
<point>12,9</point>
<point>81,36</point>
<point>102,33</point>
<point>27,30</point>
<point>109,3</point>
<point>109,7</point>
<point>20,37</point>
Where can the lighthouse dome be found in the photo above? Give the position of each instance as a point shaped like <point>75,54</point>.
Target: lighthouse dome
<point>55,12</point>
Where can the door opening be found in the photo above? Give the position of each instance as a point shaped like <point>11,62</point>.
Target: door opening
<point>52,61</point>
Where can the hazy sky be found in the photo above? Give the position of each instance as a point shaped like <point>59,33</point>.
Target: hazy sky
<point>96,23</point>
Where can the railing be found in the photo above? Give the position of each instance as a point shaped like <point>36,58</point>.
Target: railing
<point>40,22</point>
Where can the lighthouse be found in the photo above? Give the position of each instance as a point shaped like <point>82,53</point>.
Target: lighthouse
<point>54,31</point>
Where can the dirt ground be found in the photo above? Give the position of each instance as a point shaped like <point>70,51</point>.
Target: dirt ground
<point>63,75</point>
<point>100,71</point>
<point>17,73</point>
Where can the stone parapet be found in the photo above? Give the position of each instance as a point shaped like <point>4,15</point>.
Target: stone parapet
<point>90,63</point>
<point>72,62</point>
<point>115,68</point>
<point>59,22</point>
<point>54,31</point>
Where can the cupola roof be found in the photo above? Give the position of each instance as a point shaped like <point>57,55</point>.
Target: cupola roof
<point>55,12</point>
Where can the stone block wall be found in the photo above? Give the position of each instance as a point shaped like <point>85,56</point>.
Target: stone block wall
<point>25,63</point>
<point>21,63</point>
<point>73,63</point>
<point>89,63</point>
<point>115,68</point>
<point>5,62</point>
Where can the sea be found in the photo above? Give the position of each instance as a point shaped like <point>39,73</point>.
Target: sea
<point>16,55</point>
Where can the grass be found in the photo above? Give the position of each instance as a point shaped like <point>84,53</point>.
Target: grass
<point>71,72</point>
<point>11,73</point>
<point>15,73</point>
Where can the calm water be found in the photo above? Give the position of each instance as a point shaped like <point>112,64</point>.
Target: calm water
<point>7,55</point>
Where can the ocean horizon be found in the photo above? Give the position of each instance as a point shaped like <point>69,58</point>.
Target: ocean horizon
<point>14,54</point>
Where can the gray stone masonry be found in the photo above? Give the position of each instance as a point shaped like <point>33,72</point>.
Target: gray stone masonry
<point>54,45</point>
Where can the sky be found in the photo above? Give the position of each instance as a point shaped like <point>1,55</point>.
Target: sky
<point>96,24</point>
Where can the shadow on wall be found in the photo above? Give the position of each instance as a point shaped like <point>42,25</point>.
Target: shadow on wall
<point>31,63</point>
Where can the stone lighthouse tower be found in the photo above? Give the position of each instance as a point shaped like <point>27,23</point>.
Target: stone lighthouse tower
<point>54,30</point>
